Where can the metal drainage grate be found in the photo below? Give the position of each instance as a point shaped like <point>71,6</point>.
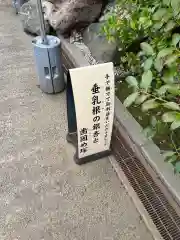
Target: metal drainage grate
<point>162,213</point>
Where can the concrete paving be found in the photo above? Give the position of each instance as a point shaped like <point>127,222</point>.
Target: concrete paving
<point>43,194</point>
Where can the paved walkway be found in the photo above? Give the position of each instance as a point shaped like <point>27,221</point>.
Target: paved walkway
<point>43,194</point>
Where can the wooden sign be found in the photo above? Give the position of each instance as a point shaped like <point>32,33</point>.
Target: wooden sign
<point>93,91</point>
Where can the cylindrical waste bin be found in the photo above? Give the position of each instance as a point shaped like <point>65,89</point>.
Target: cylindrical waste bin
<point>18,3</point>
<point>49,64</point>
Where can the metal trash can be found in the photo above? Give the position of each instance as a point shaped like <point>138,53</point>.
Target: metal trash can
<point>47,51</point>
<point>49,64</point>
<point>17,4</point>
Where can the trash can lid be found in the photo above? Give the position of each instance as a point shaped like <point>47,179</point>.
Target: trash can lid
<point>52,41</point>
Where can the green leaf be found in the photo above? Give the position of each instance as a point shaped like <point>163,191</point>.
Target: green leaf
<point>158,64</point>
<point>141,99</point>
<point>171,59</point>
<point>174,89</point>
<point>175,5</point>
<point>141,53</point>
<point>146,80</point>
<point>168,76</point>
<point>172,159</point>
<point>175,39</point>
<point>147,48</point>
<point>154,121</point>
<point>171,105</point>
<point>175,125</point>
<point>149,132</point>
<point>158,15</point>
<point>166,2</point>
<point>167,17</point>
<point>132,81</point>
<point>164,52</point>
<point>177,167</point>
<point>169,26</point>
<point>167,154</point>
<point>130,99</point>
<point>169,117</point>
<point>133,25</point>
<point>162,90</point>
<point>150,104</point>
<point>158,25</point>
<point>148,64</point>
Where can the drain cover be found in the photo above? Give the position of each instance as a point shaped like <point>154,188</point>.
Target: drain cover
<point>160,210</point>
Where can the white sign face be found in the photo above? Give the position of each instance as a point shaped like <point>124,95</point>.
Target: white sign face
<point>93,90</point>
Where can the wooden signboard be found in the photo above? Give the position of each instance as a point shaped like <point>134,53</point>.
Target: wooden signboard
<point>93,100</point>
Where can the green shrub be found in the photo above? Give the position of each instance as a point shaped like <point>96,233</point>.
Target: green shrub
<point>155,68</point>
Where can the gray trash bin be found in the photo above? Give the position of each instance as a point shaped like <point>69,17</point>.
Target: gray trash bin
<point>17,4</point>
<point>49,64</point>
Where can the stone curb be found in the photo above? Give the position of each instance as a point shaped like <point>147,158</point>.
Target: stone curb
<point>145,149</point>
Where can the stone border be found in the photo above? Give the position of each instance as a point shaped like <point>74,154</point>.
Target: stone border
<point>146,150</point>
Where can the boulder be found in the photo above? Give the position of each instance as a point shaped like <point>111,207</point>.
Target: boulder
<point>100,48</point>
<point>107,10</point>
<point>67,15</point>
<point>30,18</point>
<point>96,41</point>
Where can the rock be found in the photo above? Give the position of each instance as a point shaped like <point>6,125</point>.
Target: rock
<point>30,18</point>
<point>107,10</point>
<point>67,15</point>
<point>97,43</point>
<point>100,48</point>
